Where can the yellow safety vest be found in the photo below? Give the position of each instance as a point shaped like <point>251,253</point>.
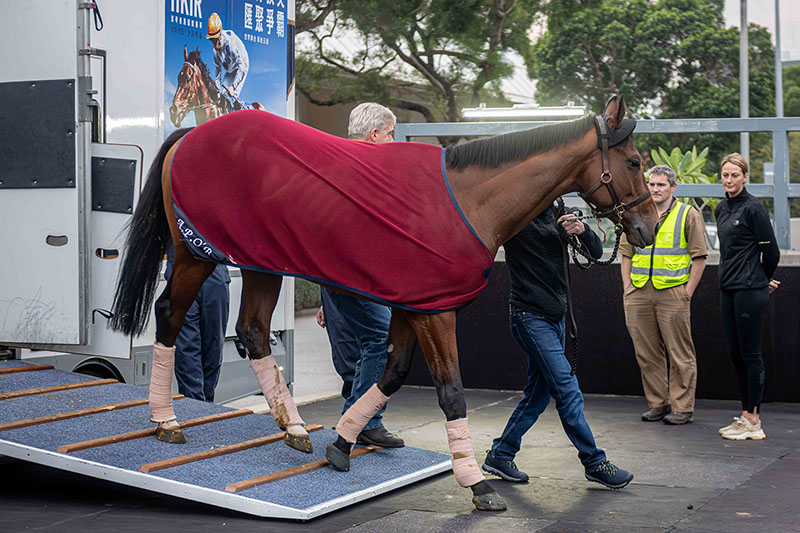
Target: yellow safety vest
<point>667,261</point>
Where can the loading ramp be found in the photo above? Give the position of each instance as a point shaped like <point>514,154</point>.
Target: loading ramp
<point>234,458</point>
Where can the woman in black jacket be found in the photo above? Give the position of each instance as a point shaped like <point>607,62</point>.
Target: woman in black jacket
<point>748,257</point>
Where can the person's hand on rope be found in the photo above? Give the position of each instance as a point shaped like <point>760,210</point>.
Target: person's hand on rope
<point>571,224</point>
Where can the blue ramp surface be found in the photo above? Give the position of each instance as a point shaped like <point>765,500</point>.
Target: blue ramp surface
<point>301,497</point>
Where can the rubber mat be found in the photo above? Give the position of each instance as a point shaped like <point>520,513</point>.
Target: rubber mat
<point>303,496</point>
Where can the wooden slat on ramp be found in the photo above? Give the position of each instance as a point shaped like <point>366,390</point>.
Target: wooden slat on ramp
<point>222,450</point>
<point>56,388</point>
<point>75,414</point>
<point>28,368</point>
<point>294,471</point>
<point>142,433</point>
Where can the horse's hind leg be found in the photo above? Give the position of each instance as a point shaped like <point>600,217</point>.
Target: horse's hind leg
<point>259,297</point>
<point>399,351</point>
<point>188,276</point>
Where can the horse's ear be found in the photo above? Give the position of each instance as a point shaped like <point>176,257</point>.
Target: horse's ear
<point>615,109</point>
<point>185,53</point>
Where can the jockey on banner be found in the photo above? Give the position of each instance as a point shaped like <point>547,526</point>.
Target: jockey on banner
<point>231,61</point>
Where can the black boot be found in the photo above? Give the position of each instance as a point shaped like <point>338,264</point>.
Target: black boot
<point>380,437</point>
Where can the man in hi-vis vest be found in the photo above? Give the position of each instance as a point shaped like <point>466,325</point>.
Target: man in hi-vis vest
<point>659,282</point>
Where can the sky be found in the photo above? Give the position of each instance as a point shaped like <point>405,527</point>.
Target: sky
<point>762,12</point>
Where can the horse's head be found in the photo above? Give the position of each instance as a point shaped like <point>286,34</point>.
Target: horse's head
<point>613,179</point>
<point>190,83</point>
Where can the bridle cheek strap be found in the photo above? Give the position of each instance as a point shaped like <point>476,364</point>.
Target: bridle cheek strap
<point>606,178</point>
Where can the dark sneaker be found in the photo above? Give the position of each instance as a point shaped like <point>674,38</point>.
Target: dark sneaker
<point>654,414</point>
<point>677,418</point>
<point>606,473</point>
<point>505,469</point>
<point>380,437</point>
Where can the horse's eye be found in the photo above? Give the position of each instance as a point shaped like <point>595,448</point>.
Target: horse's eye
<point>633,163</point>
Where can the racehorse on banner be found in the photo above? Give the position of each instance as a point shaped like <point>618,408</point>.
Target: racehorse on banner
<point>410,225</point>
<point>197,92</point>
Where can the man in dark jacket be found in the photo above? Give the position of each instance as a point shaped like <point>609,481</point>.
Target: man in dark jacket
<point>538,306</point>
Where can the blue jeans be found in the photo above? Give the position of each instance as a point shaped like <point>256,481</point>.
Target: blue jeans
<point>548,376</point>
<point>345,350</point>
<point>369,322</point>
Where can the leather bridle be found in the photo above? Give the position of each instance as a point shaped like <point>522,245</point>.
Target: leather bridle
<point>606,140</point>
<point>194,83</point>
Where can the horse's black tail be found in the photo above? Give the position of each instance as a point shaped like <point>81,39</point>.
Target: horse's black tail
<point>147,241</point>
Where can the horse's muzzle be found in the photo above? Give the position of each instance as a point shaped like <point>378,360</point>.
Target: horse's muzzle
<point>177,114</point>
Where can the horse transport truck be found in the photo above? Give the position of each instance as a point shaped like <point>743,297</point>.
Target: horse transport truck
<point>89,92</point>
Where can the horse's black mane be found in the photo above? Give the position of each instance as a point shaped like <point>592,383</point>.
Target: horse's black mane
<point>493,151</point>
<point>194,58</point>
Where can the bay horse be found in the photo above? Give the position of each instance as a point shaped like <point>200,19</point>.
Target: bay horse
<point>196,92</point>
<point>498,185</point>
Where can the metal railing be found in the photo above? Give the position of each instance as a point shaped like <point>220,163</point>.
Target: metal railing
<point>780,190</point>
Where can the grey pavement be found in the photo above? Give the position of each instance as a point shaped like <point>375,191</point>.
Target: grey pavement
<point>687,479</point>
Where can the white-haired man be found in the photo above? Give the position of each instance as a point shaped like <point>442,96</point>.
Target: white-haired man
<point>358,329</point>
<point>659,281</point>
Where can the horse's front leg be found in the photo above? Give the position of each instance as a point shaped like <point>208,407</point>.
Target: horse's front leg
<point>399,349</point>
<point>437,335</point>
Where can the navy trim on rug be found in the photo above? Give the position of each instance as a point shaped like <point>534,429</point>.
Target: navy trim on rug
<point>455,203</point>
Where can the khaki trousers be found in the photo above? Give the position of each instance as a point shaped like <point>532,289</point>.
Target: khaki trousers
<point>660,327</point>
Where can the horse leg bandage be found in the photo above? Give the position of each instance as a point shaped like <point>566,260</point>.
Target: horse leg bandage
<point>161,384</point>
<point>281,403</point>
<point>355,418</point>
<point>465,467</point>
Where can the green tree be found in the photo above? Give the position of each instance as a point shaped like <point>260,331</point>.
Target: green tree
<point>791,91</point>
<point>709,85</point>
<point>594,48</point>
<point>423,56</point>
<point>671,59</point>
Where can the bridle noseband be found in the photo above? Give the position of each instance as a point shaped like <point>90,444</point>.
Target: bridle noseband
<point>605,140</point>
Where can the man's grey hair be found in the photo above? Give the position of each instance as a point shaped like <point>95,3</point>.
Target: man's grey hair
<point>664,170</point>
<point>368,116</point>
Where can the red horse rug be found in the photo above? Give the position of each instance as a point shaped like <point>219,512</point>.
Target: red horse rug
<point>261,192</point>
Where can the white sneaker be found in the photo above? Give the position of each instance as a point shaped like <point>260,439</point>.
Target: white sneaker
<point>743,430</point>
<point>729,426</point>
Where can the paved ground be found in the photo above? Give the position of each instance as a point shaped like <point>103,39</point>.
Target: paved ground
<point>687,479</point>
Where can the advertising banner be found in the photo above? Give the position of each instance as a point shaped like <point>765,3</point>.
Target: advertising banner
<point>223,55</point>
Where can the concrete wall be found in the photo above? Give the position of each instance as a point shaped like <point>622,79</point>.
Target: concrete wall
<point>490,359</point>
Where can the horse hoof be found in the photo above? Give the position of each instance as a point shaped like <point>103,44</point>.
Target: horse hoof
<point>489,502</point>
<point>298,443</point>
<point>173,436</point>
<point>337,458</point>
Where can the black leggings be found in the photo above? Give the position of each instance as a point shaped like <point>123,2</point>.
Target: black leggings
<point>742,318</point>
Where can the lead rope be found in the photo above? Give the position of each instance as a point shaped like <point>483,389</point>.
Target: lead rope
<point>576,247</point>
<point>571,326</point>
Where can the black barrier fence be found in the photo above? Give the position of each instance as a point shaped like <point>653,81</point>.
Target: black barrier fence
<point>490,359</point>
